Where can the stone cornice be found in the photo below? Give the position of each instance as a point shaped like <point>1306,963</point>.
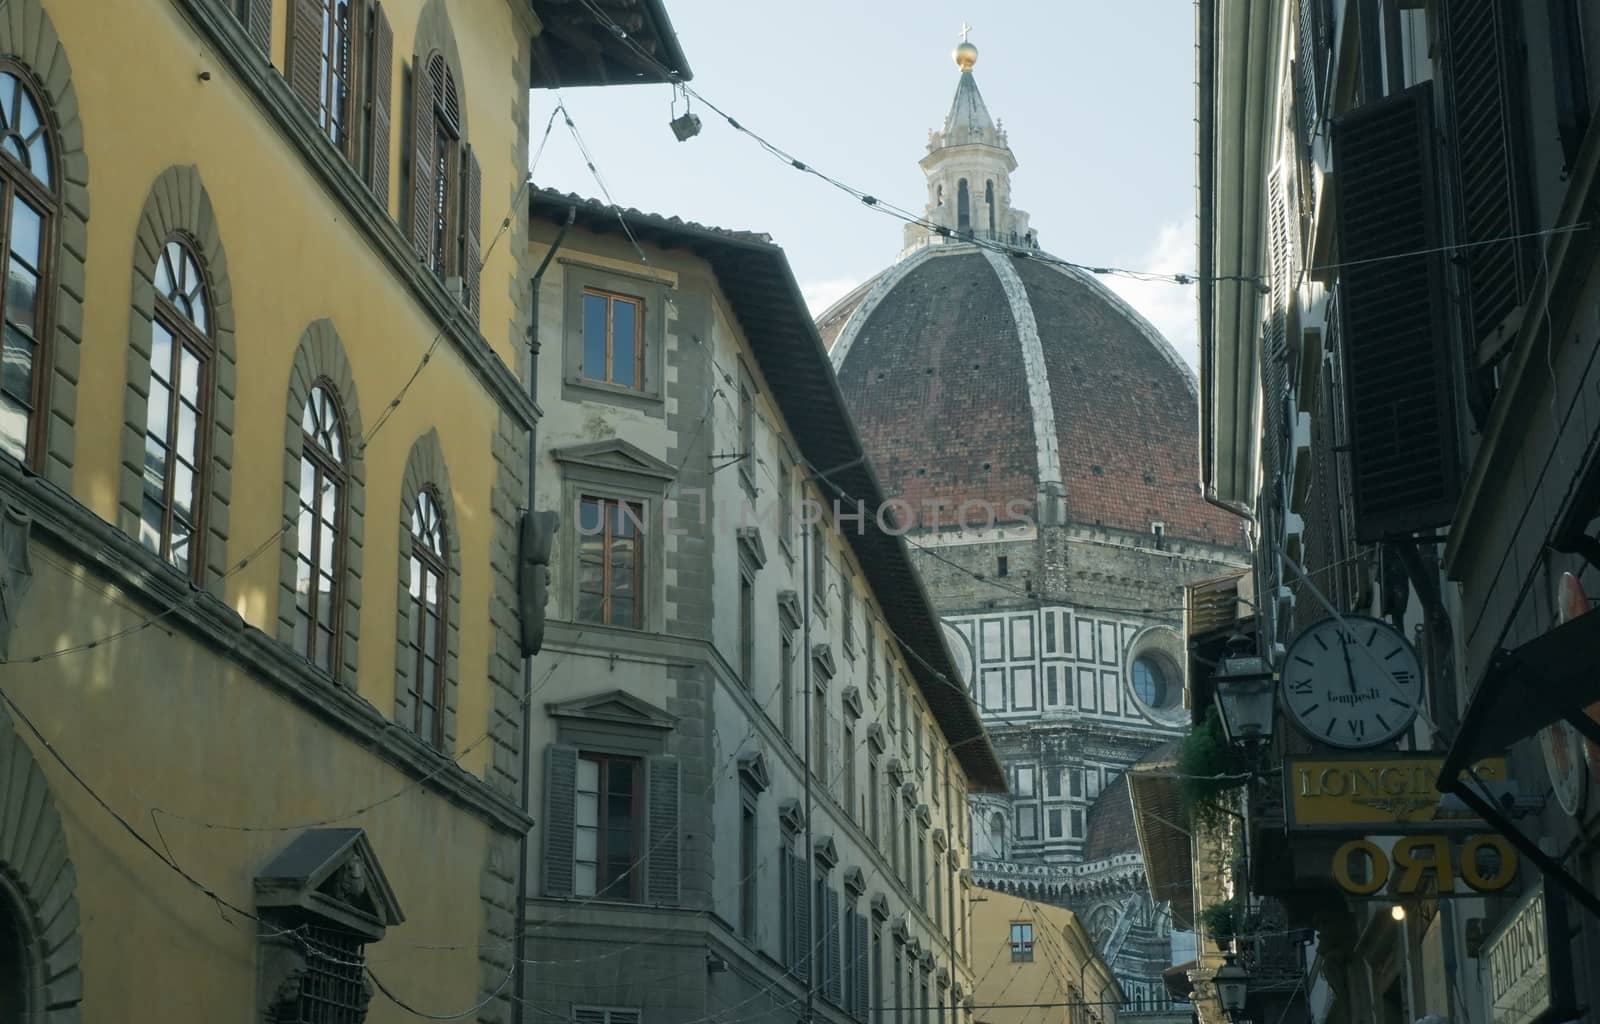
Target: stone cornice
<point>280,107</point>
<point>121,560</point>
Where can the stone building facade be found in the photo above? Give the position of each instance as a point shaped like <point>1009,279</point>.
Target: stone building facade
<point>259,670</point>
<point>713,633</point>
<point>1040,437</point>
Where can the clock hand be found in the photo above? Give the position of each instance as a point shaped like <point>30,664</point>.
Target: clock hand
<point>1350,673</point>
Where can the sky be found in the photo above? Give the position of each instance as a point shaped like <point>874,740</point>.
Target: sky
<point>1097,98</point>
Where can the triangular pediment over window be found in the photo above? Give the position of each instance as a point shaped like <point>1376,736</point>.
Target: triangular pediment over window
<point>616,455</point>
<point>334,874</point>
<point>618,707</point>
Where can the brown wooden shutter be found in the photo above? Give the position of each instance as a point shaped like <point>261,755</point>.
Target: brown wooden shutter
<point>472,216</point>
<point>1405,473</point>
<point>421,217</point>
<point>662,874</point>
<point>303,64</point>
<point>800,903</point>
<point>560,806</point>
<point>1482,76</point>
<point>256,16</point>
<point>378,99</point>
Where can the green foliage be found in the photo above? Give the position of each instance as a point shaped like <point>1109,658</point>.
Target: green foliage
<point>1209,768</point>
<point>1222,921</point>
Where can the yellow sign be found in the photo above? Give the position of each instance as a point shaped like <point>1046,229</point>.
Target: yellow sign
<point>1385,794</point>
<point>1362,868</point>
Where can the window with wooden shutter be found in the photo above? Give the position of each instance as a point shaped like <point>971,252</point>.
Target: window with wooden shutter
<point>830,952</point>
<point>420,216</point>
<point>471,219</point>
<point>560,795</point>
<point>1275,337</point>
<point>860,988</point>
<point>800,922</point>
<point>662,858</point>
<point>1482,74</point>
<point>1405,473</point>
<point>378,87</point>
<point>1312,58</point>
<point>323,55</point>
<point>256,17</point>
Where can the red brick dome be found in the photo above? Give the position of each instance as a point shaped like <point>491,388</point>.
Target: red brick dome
<point>978,377</point>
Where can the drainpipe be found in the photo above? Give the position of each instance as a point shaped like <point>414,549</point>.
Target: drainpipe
<point>811,902</point>
<point>520,943</point>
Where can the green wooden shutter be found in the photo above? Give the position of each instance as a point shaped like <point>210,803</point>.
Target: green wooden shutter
<point>560,795</point>
<point>420,215</point>
<point>662,882</point>
<point>378,100</point>
<point>1405,471</point>
<point>1481,70</point>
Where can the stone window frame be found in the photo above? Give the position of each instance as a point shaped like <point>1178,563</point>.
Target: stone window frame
<point>320,358</point>
<point>752,559</point>
<point>754,779</point>
<point>618,724</point>
<point>426,469</point>
<point>178,206</point>
<point>749,417</point>
<point>1165,645</point>
<point>790,625</point>
<point>28,40</point>
<point>615,469</point>
<point>650,396</point>
<point>39,884</point>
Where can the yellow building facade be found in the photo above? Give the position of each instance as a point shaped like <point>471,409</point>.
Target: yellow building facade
<point>1036,962</point>
<point>263,451</point>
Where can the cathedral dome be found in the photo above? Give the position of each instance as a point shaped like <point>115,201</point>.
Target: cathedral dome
<point>979,376</point>
<point>980,371</point>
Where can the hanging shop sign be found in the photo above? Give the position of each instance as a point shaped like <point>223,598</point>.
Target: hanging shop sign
<point>1391,794</point>
<point>1527,984</point>
<point>1429,866</point>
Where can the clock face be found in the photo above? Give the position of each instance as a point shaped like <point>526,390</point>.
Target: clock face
<point>1352,684</point>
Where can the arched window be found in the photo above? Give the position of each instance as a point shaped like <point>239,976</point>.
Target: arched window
<point>997,836</point>
<point>445,257</point>
<point>324,480</point>
<point>429,600</point>
<point>963,207</point>
<point>988,197</point>
<point>178,410</point>
<point>27,176</point>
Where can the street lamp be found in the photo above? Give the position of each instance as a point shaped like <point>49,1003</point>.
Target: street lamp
<point>1244,694</point>
<point>1233,984</point>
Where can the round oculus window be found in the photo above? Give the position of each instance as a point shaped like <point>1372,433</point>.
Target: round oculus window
<point>1151,683</point>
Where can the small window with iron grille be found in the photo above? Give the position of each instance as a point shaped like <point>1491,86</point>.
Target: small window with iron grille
<point>331,988</point>
<point>313,961</point>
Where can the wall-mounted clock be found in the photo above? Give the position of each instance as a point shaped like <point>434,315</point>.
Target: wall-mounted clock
<point>1353,682</point>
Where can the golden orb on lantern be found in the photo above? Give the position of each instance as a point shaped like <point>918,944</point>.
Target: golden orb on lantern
<point>965,54</point>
